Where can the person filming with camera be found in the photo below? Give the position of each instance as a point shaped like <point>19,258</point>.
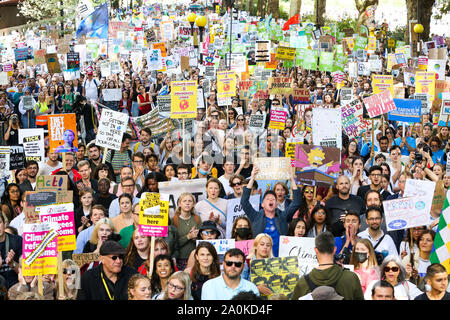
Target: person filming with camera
<point>12,133</point>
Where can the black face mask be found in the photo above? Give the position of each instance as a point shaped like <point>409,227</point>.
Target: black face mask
<point>361,256</point>
<point>242,232</point>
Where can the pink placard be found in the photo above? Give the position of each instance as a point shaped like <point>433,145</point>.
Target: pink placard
<point>153,231</point>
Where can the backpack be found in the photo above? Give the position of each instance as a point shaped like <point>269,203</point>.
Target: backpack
<point>176,219</point>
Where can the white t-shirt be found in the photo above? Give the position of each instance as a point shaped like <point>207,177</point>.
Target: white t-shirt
<point>91,89</point>
<point>47,170</point>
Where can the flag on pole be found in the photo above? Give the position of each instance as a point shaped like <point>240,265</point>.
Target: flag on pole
<point>441,246</point>
<point>96,24</point>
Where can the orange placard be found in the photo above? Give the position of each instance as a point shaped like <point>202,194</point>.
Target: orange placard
<point>273,62</point>
<point>62,129</point>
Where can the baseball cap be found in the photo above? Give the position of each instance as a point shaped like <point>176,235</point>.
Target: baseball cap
<point>111,247</point>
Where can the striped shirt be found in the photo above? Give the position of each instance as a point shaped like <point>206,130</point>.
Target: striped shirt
<point>120,160</point>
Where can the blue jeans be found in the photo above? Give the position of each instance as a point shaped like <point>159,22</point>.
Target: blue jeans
<point>32,120</point>
<point>134,109</point>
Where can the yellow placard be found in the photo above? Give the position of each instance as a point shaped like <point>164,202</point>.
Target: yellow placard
<point>183,99</point>
<point>426,83</point>
<point>382,83</point>
<point>372,44</point>
<point>226,84</point>
<point>391,60</point>
<point>285,53</point>
<point>391,43</point>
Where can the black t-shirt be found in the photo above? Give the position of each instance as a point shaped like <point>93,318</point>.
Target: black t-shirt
<point>13,137</point>
<point>15,244</point>
<point>364,189</point>
<point>338,206</point>
<point>106,202</point>
<point>424,296</point>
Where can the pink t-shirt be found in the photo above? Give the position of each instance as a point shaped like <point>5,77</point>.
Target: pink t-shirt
<point>366,276</point>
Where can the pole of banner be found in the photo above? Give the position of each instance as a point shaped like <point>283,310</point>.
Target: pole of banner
<point>41,284</point>
<point>60,276</point>
<point>152,254</point>
<point>105,151</point>
<point>182,141</point>
<point>373,145</point>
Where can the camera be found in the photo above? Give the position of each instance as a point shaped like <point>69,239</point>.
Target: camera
<point>418,156</point>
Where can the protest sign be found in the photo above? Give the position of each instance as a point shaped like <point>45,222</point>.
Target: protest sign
<point>17,158</point>
<point>300,95</point>
<point>175,188</point>
<point>4,79</point>
<point>63,215</point>
<point>382,83</point>
<point>73,60</point>
<point>257,122</point>
<point>164,103</point>
<point>183,99</point>
<point>62,132</point>
<point>52,61</point>
<point>112,94</point>
<point>154,214</point>
<point>154,60</point>
<point>425,83</point>
<point>221,245</point>
<point>111,128</point>
<point>346,95</point>
<point>21,54</point>
<point>5,153</point>
<point>39,56</point>
<point>326,61</point>
<point>285,53</point>
<point>438,67</point>
<point>85,258</point>
<point>226,84</point>
<point>244,246</point>
<point>40,249</point>
<point>406,212</point>
<point>303,249</point>
<point>262,51</point>
<point>28,102</point>
<point>327,127</point>
<point>235,210</point>
<point>280,275</point>
<point>278,117</point>
<point>324,159</point>
<point>54,182</point>
<point>406,110</point>
<point>33,143</point>
<point>281,85</point>
<point>379,104</point>
<point>273,168</point>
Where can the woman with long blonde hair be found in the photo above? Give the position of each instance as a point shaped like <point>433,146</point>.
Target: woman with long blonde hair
<point>365,262</point>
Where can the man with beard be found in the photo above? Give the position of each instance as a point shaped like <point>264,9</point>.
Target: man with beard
<point>342,203</point>
<point>375,174</point>
<point>230,282</point>
<point>95,160</point>
<point>29,184</point>
<point>381,242</point>
<point>51,164</point>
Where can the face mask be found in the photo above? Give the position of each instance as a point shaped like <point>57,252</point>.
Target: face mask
<point>361,256</point>
<point>203,172</point>
<point>242,232</point>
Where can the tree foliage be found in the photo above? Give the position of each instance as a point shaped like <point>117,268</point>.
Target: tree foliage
<point>38,9</point>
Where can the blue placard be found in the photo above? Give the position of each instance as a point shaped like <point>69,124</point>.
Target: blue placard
<point>407,110</point>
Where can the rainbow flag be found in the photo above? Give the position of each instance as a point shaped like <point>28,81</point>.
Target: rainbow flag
<point>441,246</point>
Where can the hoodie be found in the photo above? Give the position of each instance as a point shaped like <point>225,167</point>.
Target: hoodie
<point>348,284</point>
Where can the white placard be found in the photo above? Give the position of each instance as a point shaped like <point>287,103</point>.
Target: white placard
<point>235,210</point>
<point>221,245</point>
<point>33,144</point>
<point>404,213</point>
<point>303,248</point>
<point>112,94</point>
<point>326,127</point>
<point>111,128</point>
<point>175,188</point>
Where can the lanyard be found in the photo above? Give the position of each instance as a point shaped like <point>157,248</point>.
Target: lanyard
<point>106,286</point>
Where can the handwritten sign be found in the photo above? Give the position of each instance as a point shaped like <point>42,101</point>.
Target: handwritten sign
<point>82,258</point>
<point>379,104</point>
<point>352,119</point>
<point>406,213</point>
<point>303,249</point>
<point>281,85</point>
<point>112,126</point>
<point>56,182</point>
<point>221,245</point>
<point>273,168</point>
<point>235,211</point>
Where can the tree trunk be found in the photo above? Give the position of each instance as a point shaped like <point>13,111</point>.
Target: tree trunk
<point>319,13</point>
<point>295,7</point>
<point>361,6</point>
<point>274,8</point>
<point>425,11</point>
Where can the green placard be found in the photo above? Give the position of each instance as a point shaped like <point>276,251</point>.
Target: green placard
<point>326,61</point>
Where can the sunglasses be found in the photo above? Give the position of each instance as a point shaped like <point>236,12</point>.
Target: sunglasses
<point>69,271</point>
<point>208,232</point>
<point>393,269</point>
<point>236,263</point>
<point>236,184</point>
<point>120,256</point>
<point>308,191</point>
<point>240,119</point>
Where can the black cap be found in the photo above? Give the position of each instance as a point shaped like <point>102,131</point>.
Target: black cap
<point>208,224</point>
<point>111,247</point>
